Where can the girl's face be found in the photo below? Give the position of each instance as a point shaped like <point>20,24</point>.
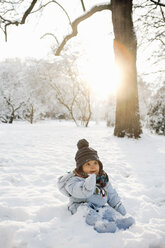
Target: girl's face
<point>91,167</point>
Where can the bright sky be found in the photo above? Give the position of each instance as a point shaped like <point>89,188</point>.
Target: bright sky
<point>23,41</point>
<point>97,64</point>
<point>95,38</point>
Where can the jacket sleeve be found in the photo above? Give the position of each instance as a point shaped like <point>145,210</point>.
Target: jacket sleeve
<point>113,198</point>
<point>81,188</point>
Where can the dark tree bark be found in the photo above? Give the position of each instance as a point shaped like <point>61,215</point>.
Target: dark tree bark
<point>125,46</point>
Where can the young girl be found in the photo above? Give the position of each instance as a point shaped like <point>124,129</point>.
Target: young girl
<point>89,184</point>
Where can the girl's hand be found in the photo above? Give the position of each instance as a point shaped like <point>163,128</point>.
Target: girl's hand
<point>121,209</point>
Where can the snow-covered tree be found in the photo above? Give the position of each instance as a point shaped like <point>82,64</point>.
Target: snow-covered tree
<point>145,94</point>
<point>11,94</point>
<point>36,92</point>
<point>25,90</point>
<point>110,111</point>
<point>71,91</point>
<point>156,112</point>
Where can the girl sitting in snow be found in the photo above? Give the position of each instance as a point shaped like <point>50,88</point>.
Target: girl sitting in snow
<point>89,184</point>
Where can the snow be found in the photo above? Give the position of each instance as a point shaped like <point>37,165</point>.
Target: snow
<point>33,213</point>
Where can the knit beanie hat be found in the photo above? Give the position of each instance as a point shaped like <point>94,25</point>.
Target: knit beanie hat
<point>85,154</point>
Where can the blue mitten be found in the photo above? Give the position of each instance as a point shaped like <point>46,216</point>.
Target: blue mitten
<point>105,227</point>
<point>90,182</point>
<point>121,209</point>
<point>125,223</point>
<point>109,215</point>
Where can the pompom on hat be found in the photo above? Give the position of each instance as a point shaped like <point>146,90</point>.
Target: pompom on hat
<point>85,154</point>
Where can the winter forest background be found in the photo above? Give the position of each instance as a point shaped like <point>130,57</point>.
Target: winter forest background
<point>80,84</point>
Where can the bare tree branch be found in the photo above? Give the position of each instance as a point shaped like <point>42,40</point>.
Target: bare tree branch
<point>8,10</point>
<point>28,11</point>
<point>76,22</point>
<point>154,72</point>
<point>50,35</point>
<point>53,1</point>
<point>161,10</point>
<point>62,101</point>
<point>83,6</point>
<point>3,119</point>
<point>158,3</point>
<point>8,22</point>
<point>13,2</point>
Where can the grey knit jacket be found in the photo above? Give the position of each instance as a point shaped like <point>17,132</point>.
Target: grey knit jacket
<point>81,190</point>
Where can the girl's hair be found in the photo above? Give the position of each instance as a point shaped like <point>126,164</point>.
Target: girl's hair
<point>81,173</point>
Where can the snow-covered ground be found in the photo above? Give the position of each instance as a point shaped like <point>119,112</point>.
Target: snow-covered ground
<point>33,213</point>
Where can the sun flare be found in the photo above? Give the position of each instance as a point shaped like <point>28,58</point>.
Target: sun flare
<point>100,74</point>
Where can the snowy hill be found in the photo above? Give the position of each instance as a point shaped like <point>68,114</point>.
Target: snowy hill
<point>33,213</point>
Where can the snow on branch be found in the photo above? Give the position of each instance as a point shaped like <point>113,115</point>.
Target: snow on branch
<point>77,21</point>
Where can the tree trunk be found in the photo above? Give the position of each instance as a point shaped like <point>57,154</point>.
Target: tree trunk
<point>31,114</point>
<point>11,117</point>
<point>127,109</point>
